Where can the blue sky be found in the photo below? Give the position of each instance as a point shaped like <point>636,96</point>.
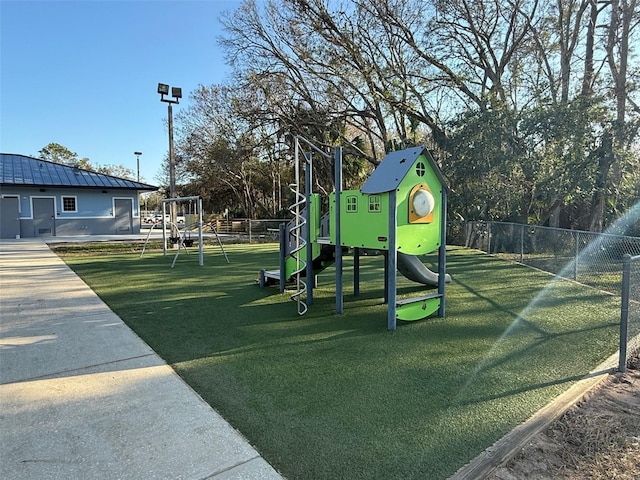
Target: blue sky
<point>84,74</point>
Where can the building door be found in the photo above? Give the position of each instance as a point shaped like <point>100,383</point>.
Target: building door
<point>124,215</point>
<point>44,220</point>
<point>9,217</point>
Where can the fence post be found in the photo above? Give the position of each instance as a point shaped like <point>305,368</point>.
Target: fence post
<point>489,237</point>
<point>467,233</point>
<point>522,243</point>
<point>575,258</point>
<point>624,312</point>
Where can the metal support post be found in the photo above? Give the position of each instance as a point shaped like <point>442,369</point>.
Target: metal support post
<point>442,253</point>
<point>575,259</point>
<point>172,178</point>
<point>283,256</point>
<point>164,228</point>
<point>200,252</point>
<point>385,256</point>
<point>308,182</point>
<point>338,251</point>
<point>624,312</point>
<point>392,262</point>
<point>521,243</point>
<point>356,271</point>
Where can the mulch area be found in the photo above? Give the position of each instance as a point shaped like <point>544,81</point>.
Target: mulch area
<point>598,438</point>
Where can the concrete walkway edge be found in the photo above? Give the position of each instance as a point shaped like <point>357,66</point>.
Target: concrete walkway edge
<point>82,396</point>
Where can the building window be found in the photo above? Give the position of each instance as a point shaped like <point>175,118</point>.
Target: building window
<point>69,204</point>
<point>352,204</point>
<point>375,203</point>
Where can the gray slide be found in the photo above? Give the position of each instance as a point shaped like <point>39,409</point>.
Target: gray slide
<point>411,267</point>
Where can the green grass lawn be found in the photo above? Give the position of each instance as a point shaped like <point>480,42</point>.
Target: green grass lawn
<point>329,396</point>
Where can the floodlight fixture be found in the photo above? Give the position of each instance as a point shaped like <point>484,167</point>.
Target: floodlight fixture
<point>176,93</point>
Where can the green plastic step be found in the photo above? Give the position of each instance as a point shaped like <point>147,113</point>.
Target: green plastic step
<point>417,308</point>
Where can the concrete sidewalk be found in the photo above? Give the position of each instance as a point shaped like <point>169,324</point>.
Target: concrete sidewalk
<point>82,396</point>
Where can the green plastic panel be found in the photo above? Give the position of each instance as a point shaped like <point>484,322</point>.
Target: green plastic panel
<point>365,226</point>
<point>418,310</point>
<point>291,263</point>
<point>364,219</point>
<point>419,238</point>
<point>314,202</point>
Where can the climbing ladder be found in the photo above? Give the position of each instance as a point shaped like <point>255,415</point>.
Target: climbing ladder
<point>299,241</point>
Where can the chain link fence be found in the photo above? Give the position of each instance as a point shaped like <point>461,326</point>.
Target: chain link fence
<point>591,258</point>
<point>603,261</point>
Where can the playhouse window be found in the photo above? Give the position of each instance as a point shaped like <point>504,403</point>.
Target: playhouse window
<point>375,203</point>
<point>352,204</point>
<point>421,169</point>
<point>69,204</point>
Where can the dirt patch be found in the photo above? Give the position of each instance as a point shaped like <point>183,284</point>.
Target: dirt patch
<point>599,438</point>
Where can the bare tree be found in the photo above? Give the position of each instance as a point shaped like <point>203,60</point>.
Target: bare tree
<point>623,19</point>
<point>531,93</point>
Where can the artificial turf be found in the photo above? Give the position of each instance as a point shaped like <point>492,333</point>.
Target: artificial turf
<point>328,396</point>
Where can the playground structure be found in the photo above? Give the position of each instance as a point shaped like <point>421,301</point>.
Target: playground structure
<point>181,238</point>
<point>400,210</point>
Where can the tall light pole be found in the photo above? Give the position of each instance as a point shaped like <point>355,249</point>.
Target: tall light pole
<point>176,93</point>
<point>137,154</point>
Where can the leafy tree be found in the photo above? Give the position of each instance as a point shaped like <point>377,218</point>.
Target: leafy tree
<point>56,153</point>
<point>224,155</point>
<point>617,135</point>
<point>528,104</point>
<point>116,171</point>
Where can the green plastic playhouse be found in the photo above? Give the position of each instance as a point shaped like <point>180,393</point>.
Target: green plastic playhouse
<point>400,210</point>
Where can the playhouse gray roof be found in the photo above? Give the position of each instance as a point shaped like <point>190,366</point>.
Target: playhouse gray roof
<point>20,170</point>
<point>394,167</point>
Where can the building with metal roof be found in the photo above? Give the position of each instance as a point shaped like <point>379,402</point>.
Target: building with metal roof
<point>42,198</point>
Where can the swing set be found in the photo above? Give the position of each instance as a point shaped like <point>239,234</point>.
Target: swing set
<point>181,238</point>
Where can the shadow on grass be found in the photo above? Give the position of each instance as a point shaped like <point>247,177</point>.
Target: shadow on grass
<point>338,396</point>
<point>529,388</point>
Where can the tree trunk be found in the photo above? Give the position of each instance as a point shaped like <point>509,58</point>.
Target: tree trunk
<point>587,80</point>
<point>598,204</point>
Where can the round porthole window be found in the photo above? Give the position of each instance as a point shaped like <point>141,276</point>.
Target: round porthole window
<point>423,202</point>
